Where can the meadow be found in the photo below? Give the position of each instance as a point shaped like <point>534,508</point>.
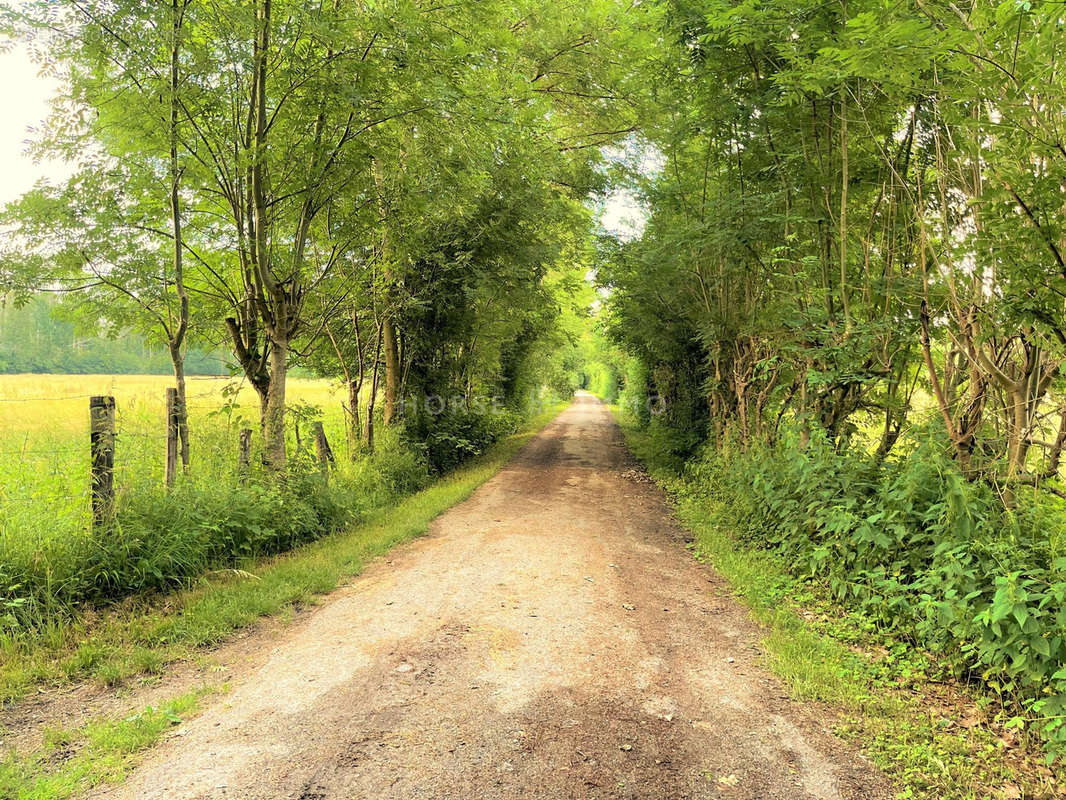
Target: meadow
<point>52,560</point>
<point>44,439</point>
<point>36,403</point>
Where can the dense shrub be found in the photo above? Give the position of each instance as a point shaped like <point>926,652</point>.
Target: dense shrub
<point>456,434</point>
<point>917,548</point>
<point>634,398</point>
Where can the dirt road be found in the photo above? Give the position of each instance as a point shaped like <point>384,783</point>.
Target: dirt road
<point>551,637</point>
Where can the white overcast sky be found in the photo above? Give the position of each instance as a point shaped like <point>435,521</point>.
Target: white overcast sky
<point>24,97</point>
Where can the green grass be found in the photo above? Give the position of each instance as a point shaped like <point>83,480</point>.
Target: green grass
<point>74,760</point>
<point>53,560</point>
<point>891,700</point>
<point>143,634</point>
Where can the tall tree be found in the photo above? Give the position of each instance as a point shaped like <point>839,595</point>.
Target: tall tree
<point>106,231</point>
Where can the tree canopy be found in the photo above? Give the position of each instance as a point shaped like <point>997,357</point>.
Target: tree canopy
<point>385,192</point>
<point>857,202</point>
<point>848,206</point>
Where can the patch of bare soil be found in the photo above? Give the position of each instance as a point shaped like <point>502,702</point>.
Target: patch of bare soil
<point>550,637</point>
<point>23,724</point>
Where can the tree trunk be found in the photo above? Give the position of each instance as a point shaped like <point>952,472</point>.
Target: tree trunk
<point>392,371</point>
<point>369,433</point>
<point>1017,432</point>
<point>845,305</point>
<point>373,394</point>
<point>178,331</point>
<point>388,325</point>
<point>177,356</point>
<point>274,408</point>
<point>740,389</point>
<point>354,384</point>
<point>277,298</point>
<point>355,432</point>
<point>263,392</point>
<point>962,434</point>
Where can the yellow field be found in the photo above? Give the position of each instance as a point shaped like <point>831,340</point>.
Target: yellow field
<point>52,404</point>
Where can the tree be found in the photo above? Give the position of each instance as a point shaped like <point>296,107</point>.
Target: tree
<point>302,176</point>
<point>105,232</point>
<point>856,202</point>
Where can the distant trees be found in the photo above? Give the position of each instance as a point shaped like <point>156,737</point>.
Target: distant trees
<point>48,337</point>
<point>115,231</point>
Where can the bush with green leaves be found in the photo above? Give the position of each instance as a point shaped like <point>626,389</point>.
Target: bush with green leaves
<point>456,434</point>
<point>916,548</point>
<point>213,518</point>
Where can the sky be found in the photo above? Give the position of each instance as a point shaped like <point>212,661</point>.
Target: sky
<point>622,215</point>
<point>24,96</point>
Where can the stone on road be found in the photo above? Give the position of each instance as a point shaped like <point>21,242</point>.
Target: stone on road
<point>550,637</point>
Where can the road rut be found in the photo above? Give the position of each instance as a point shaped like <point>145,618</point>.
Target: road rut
<point>550,637</point>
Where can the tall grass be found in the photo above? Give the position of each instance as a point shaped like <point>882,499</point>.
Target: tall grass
<point>51,557</point>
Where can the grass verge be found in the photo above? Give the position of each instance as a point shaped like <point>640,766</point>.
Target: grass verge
<point>925,731</point>
<point>74,760</point>
<point>142,635</point>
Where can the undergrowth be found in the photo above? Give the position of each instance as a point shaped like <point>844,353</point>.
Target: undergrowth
<point>922,553</point>
<point>217,516</point>
<point>215,519</point>
<point>856,607</point>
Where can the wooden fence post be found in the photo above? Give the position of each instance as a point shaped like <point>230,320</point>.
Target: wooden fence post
<point>244,455</point>
<point>323,451</point>
<point>102,449</point>
<point>170,470</point>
